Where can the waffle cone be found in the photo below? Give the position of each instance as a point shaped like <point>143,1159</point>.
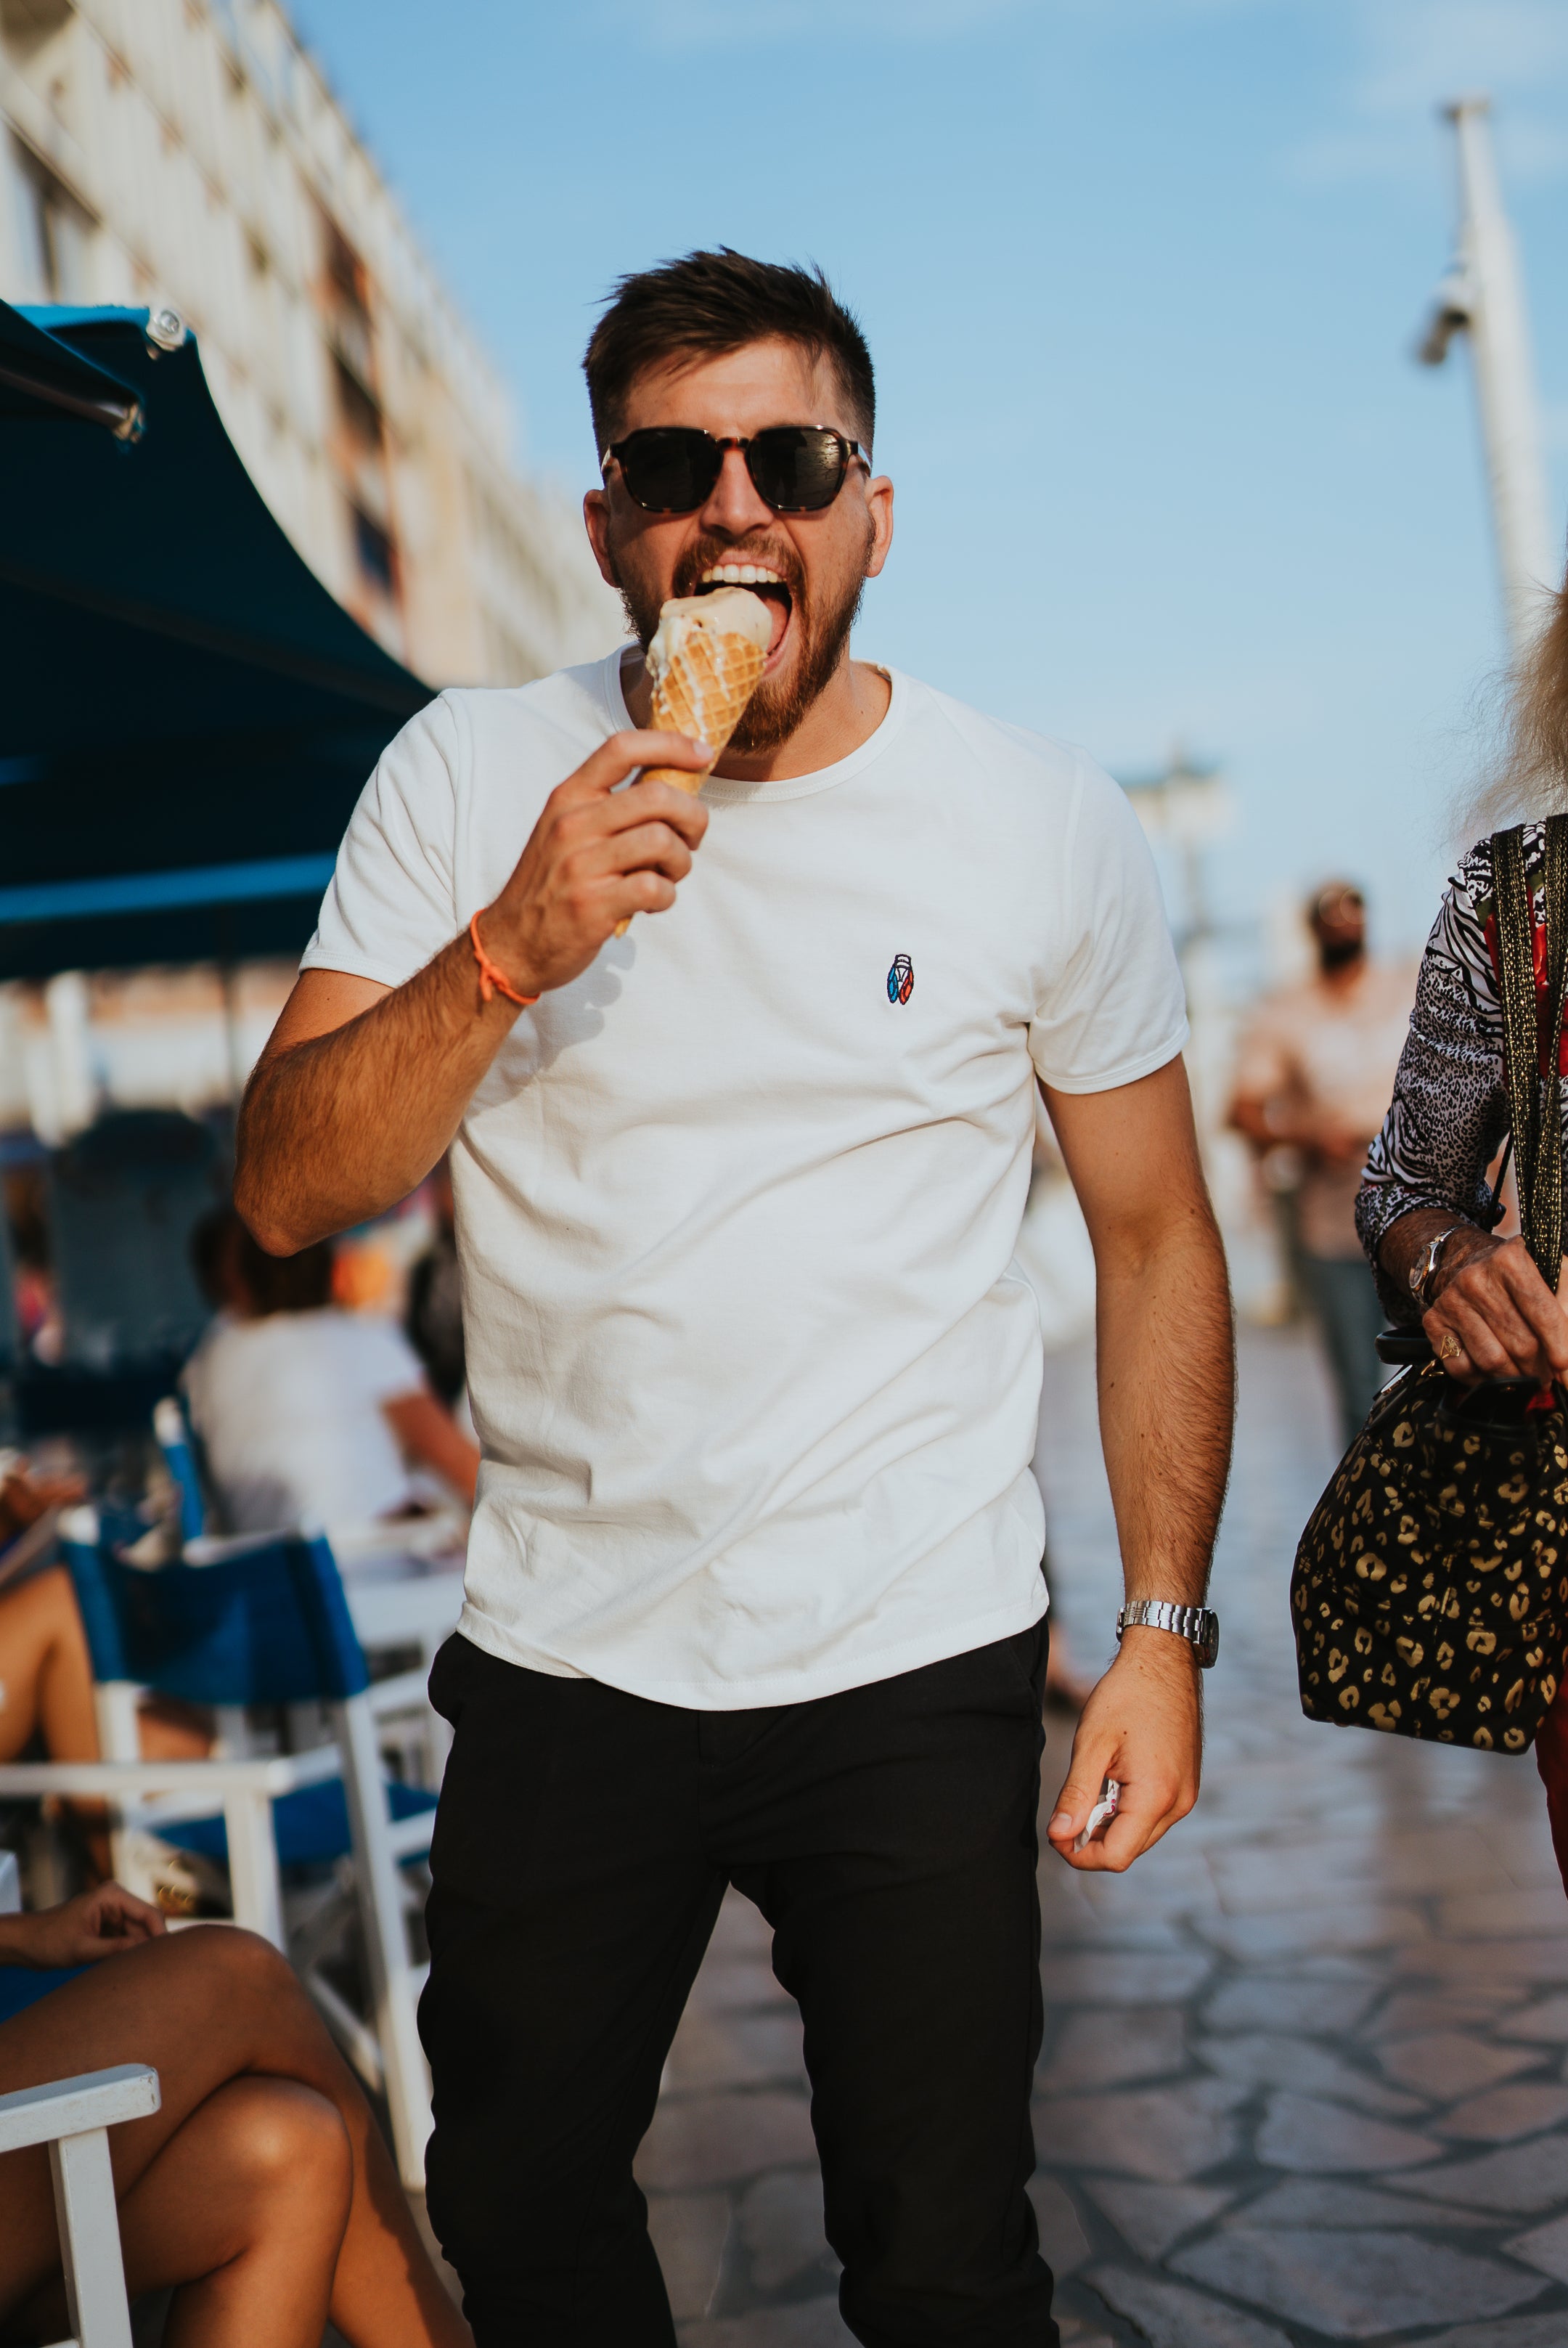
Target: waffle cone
<point>702,692</point>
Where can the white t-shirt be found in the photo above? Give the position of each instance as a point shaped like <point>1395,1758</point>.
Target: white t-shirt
<point>755,1374</point>
<point>289,1410</point>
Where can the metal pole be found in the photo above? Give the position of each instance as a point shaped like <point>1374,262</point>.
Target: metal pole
<point>1483,296</point>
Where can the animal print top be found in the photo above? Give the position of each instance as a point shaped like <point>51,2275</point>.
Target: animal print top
<point>1448,1116</point>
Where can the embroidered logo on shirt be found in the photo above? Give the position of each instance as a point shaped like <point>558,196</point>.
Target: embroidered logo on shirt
<point>901,979</point>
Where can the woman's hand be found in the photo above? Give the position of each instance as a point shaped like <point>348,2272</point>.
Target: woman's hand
<point>97,1923</point>
<point>23,1497</point>
<point>1492,1315</point>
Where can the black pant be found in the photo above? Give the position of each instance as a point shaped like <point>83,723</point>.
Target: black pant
<point>582,1848</point>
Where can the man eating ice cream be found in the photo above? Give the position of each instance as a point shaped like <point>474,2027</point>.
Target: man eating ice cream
<point>754,1590</point>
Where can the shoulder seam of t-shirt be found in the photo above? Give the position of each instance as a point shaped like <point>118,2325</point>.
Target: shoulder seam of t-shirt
<point>463,765</point>
<point>352,965</point>
<point>1074,813</point>
<point>1156,1056</point>
<point>462,792</point>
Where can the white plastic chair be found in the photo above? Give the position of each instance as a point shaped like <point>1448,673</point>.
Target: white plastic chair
<point>290,1589</point>
<point>73,2117</point>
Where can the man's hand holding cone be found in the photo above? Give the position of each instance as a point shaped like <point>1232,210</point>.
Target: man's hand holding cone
<point>600,854</point>
<point>597,855</point>
<point>705,662</point>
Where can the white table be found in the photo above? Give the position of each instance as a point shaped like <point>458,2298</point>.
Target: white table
<point>399,1598</point>
<point>420,1610</point>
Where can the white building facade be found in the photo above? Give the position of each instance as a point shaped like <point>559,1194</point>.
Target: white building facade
<point>189,153</point>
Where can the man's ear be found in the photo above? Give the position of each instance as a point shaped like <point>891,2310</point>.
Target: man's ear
<point>879,503</point>
<point>596,521</point>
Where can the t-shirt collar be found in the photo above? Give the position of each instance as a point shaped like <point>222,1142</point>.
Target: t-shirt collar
<point>728,792</point>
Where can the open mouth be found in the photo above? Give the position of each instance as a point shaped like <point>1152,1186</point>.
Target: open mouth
<point>764,583</point>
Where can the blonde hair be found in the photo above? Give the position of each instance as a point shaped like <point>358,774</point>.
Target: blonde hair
<point>1529,778</point>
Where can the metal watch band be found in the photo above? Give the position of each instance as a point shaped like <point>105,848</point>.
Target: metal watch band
<point>1199,1625</point>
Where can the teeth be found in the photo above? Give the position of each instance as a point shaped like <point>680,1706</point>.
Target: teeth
<point>741,574</point>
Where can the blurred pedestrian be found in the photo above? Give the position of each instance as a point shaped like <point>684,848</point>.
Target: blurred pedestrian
<point>1314,1073</point>
<point>307,1414</point>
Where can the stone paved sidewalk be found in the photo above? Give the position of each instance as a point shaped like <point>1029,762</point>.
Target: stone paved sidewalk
<point>1303,2078</point>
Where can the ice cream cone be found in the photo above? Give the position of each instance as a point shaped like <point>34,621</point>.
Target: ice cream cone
<point>706,662</point>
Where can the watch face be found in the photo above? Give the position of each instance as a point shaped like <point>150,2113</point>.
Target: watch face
<point>1208,1641</point>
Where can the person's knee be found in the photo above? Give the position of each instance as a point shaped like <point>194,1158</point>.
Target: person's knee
<point>248,1994</point>
<point>243,1971</point>
<point>250,1965</point>
<point>291,2146</point>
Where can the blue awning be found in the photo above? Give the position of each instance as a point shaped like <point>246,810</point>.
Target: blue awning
<point>41,375</point>
<point>189,714</point>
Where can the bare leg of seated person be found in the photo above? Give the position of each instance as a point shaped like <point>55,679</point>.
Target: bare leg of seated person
<point>45,1670</point>
<point>47,1689</point>
<point>262,2190</point>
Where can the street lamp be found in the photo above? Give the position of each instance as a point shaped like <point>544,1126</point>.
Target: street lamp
<point>1483,296</point>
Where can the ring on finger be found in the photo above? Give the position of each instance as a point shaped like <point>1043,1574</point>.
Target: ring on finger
<point>1450,1350</point>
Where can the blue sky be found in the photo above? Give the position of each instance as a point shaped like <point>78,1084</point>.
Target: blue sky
<point>1141,278</point>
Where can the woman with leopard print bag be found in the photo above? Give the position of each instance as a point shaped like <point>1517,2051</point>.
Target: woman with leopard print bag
<point>1430,1589</point>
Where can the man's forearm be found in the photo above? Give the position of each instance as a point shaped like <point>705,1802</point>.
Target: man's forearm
<point>1167,1395</point>
<point>336,1127</point>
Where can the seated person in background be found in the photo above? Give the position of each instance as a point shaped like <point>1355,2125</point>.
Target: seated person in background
<point>309,1413</point>
<point>434,1320</point>
<point>260,2192</point>
<point>46,1674</point>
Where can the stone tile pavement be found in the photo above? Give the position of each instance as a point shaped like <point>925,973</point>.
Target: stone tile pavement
<point>1304,2073</point>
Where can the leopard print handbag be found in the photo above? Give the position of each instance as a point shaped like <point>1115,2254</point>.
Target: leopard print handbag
<point>1430,1596</point>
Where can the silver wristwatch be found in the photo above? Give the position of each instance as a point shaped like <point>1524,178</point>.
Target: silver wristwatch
<point>1199,1625</point>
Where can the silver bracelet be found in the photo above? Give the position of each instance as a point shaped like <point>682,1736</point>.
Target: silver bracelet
<point>1424,1270</point>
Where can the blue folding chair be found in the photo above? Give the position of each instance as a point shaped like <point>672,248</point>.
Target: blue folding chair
<point>261,1621</point>
<point>171,1431</point>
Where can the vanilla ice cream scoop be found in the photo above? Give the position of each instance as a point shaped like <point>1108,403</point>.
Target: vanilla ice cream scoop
<point>705,662</point>
<point>724,612</point>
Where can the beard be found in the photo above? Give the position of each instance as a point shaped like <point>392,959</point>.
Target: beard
<point>821,625</point>
<point>1338,953</point>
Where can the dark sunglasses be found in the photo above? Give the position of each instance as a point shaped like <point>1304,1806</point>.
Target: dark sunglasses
<point>674,469</point>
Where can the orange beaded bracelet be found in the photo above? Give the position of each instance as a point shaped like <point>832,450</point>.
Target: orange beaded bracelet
<point>491,982</point>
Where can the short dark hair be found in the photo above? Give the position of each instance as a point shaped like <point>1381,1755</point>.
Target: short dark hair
<point>707,304</point>
<point>290,1283</point>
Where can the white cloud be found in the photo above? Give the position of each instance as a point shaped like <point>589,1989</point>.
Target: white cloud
<point>1413,55</point>
<point>1417,50</point>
